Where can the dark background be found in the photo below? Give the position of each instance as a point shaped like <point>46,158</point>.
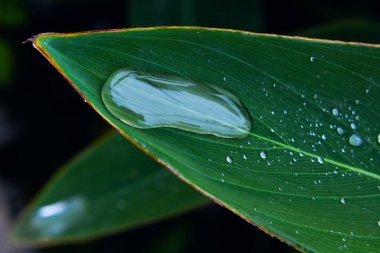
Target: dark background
<point>43,122</point>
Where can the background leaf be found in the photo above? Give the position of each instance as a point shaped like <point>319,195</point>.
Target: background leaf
<point>313,189</point>
<point>108,187</point>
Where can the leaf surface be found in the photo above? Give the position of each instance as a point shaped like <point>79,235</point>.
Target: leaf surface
<point>110,186</point>
<point>311,188</point>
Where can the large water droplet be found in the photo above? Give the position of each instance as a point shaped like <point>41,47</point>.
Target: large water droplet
<point>355,140</point>
<point>146,101</point>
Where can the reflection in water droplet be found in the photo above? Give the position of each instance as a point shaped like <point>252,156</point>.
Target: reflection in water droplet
<point>229,159</point>
<point>57,218</point>
<point>355,140</point>
<point>335,112</point>
<point>263,154</point>
<point>147,101</point>
<point>343,201</point>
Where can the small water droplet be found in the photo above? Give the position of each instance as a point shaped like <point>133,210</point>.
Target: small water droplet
<point>263,154</point>
<point>355,140</point>
<point>340,131</point>
<point>312,59</point>
<point>144,100</point>
<point>324,137</point>
<point>335,112</point>
<point>245,157</point>
<point>357,101</point>
<point>320,160</point>
<point>378,138</point>
<point>229,159</point>
<point>343,201</point>
<point>378,223</point>
<point>353,126</point>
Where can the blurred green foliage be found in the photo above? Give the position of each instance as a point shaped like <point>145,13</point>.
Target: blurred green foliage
<point>12,13</point>
<point>6,63</point>
<point>238,14</point>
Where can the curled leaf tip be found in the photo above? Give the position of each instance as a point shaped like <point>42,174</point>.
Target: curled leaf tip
<point>30,39</point>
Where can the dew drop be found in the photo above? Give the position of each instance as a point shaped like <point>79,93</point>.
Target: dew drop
<point>320,160</point>
<point>245,157</point>
<point>353,126</point>
<point>357,101</point>
<point>324,137</point>
<point>229,159</point>
<point>378,223</point>
<point>263,154</point>
<point>378,138</point>
<point>335,112</point>
<point>145,101</point>
<point>340,131</point>
<point>343,201</point>
<point>355,140</point>
<point>312,59</point>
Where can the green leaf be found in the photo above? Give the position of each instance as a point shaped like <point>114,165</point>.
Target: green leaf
<point>313,190</point>
<point>110,186</point>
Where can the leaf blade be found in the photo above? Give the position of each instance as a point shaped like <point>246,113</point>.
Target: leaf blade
<point>300,174</point>
<point>108,187</point>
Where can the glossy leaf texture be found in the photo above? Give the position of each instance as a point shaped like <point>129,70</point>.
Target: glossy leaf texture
<point>296,175</point>
<point>110,186</point>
